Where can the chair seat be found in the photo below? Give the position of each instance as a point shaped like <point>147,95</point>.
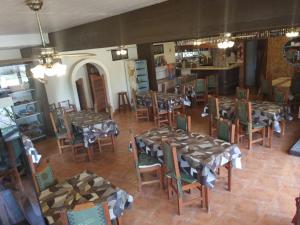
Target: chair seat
<point>259,125</point>
<point>184,177</point>
<point>77,140</point>
<point>163,111</point>
<point>146,161</point>
<point>141,107</point>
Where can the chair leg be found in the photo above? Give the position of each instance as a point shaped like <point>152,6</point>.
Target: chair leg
<point>169,187</point>
<point>263,136</point>
<point>161,178</point>
<point>250,140</point>
<point>113,140</point>
<point>270,134</point>
<point>99,145</point>
<point>179,202</point>
<point>206,198</point>
<point>283,125</point>
<point>229,175</point>
<point>59,146</point>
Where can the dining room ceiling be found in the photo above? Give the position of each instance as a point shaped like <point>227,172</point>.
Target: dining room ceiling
<point>17,18</point>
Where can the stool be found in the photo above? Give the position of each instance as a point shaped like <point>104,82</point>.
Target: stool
<point>122,103</point>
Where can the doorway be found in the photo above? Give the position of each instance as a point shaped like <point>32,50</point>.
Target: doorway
<point>81,94</point>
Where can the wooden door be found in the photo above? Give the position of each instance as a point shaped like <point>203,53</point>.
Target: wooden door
<point>81,94</point>
<point>98,91</point>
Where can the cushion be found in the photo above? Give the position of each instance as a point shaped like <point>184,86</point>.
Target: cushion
<point>147,161</point>
<point>184,177</point>
<point>181,123</point>
<point>90,216</point>
<point>45,178</point>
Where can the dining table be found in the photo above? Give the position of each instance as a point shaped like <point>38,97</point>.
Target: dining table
<point>166,101</point>
<point>199,155</point>
<point>268,112</point>
<point>92,125</point>
<point>83,187</point>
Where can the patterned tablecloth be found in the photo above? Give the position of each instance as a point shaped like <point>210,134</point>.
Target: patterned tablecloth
<point>93,125</point>
<point>199,155</point>
<point>166,101</point>
<point>82,188</point>
<point>263,111</point>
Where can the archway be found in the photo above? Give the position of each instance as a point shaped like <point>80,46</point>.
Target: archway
<point>103,71</point>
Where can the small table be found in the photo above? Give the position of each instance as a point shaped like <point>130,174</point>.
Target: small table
<point>166,101</point>
<point>199,155</point>
<point>93,125</point>
<point>84,187</point>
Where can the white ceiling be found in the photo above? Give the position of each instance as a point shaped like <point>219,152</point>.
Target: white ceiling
<point>17,18</point>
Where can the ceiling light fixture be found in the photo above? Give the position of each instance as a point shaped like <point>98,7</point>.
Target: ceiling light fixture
<point>292,33</point>
<point>225,41</point>
<point>121,51</point>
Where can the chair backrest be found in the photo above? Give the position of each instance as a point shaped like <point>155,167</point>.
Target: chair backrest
<point>242,93</point>
<point>201,85</point>
<point>88,213</point>
<point>225,130</point>
<point>52,107</point>
<point>280,96</point>
<point>213,107</point>
<point>54,121</point>
<point>133,149</point>
<point>212,81</point>
<point>43,176</point>
<point>64,104</point>
<point>170,160</point>
<point>243,112</point>
<point>183,122</point>
<point>266,87</point>
<point>154,102</point>
<point>295,84</point>
<point>68,125</point>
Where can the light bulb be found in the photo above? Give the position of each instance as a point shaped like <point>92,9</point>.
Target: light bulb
<point>123,52</point>
<point>118,52</point>
<point>59,69</point>
<point>292,34</point>
<point>38,71</point>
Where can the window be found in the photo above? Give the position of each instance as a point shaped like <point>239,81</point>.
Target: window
<point>12,75</point>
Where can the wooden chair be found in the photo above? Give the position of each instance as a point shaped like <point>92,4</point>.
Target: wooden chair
<point>179,182</point>
<point>265,89</point>
<point>280,96</point>
<point>212,84</point>
<point>160,116</point>
<point>214,113</point>
<point>62,137</point>
<point>242,93</point>
<point>95,213</point>
<point>66,106</point>
<point>183,122</point>
<point>78,149</point>
<point>177,109</point>
<point>141,112</point>
<point>145,164</point>
<point>201,90</point>
<point>244,123</point>
<point>226,132</point>
<point>38,173</point>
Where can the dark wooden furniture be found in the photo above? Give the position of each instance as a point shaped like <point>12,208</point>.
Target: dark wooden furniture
<point>179,182</point>
<point>160,116</point>
<point>145,164</point>
<point>141,112</point>
<point>123,101</point>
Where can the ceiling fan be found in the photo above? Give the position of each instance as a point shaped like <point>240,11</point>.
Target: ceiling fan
<point>47,57</point>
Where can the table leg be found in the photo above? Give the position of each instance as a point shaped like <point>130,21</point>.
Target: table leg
<point>206,194</point>
<point>113,138</point>
<point>270,134</point>
<point>91,153</point>
<point>119,220</point>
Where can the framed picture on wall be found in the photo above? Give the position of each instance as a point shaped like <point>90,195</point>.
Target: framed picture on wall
<point>157,49</point>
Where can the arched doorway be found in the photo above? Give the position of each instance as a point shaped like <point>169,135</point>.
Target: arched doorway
<point>91,85</point>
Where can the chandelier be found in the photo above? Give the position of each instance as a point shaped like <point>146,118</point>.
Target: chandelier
<point>225,41</point>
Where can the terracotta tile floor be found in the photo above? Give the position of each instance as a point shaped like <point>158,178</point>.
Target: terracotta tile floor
<point>263,192</point>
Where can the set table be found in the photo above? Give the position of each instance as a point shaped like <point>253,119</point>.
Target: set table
<point>198,155</point>
<point>84,187</point>
<point>93,125</point>
<point>265,111</point>
<point>166,101</point>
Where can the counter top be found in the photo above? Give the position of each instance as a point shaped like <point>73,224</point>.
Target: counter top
<point>215,67</point>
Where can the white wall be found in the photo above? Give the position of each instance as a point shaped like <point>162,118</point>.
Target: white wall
<point>60,88</point>
<point>6,54</point>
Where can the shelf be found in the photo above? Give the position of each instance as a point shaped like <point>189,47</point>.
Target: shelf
<point>34,114</point>
<point>21,91</point>
<point>29,103</point>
